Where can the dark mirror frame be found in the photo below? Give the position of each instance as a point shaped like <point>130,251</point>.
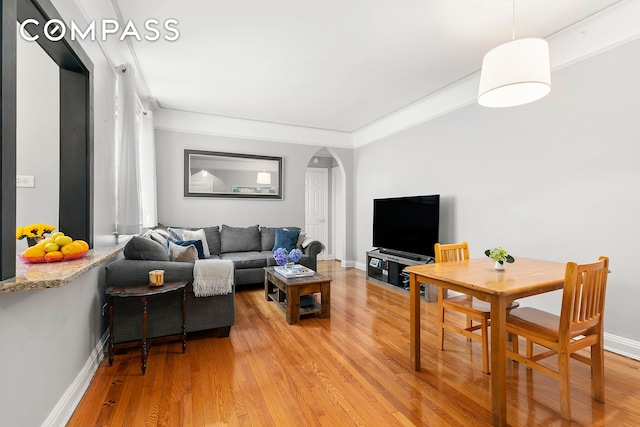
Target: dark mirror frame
<point>76,127</point>
<point>246,189</point>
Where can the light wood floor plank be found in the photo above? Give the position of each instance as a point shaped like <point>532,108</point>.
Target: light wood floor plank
<point>350,369</point>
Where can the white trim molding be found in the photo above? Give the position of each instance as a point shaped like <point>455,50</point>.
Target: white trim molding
<point>67,404</point>
<point>207,124</point>
<point>622,346</point>
<point>605,30</point>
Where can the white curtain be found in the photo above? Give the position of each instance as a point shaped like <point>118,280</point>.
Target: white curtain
<point>148,170</point>
<point>128,200</point>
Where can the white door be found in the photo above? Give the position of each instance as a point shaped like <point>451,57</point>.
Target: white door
<point>338,221</point>
<point>315,202</point>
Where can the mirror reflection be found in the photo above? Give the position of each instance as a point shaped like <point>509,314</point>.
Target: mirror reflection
<point>216,174</point>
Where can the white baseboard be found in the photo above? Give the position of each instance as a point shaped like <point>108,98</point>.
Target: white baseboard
<point>622,346</point>
<point>347,264</point>
<point>63,410</point>
<point>361,266</point>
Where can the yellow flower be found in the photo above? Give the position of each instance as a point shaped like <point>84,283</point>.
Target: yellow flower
<point>33,230</point>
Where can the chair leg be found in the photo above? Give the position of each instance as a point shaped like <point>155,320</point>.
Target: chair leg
<point>597,371</point>
<point>485,345</point>
<point>440,318</point>
<point>564,383</point>
<point>469,324</point>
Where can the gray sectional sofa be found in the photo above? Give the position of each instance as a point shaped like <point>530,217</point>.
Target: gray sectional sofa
<point>250,249</point>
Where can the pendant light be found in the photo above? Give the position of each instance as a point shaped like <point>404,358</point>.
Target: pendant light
<point>515,73</point>
<point>264,178</point>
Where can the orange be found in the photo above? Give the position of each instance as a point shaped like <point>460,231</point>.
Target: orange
<point>53,256</point>
<point>85,245</point>
<point>34,253</point>
<point>72,248</point>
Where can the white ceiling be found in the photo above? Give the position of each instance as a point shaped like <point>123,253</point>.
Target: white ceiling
<point>330,64</point>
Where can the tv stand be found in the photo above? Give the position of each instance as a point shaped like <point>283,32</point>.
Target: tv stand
<point>405,255</point>
<point>384,266</point>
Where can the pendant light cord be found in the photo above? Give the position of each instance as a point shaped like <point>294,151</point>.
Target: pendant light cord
<point>513,27</point>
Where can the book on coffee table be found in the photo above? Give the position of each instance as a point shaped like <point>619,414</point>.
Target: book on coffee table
<point>295,271</point>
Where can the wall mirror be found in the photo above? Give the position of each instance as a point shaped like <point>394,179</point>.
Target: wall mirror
<point>215,174</point>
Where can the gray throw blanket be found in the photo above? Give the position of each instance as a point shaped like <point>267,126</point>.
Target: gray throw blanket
<point>212,277</point>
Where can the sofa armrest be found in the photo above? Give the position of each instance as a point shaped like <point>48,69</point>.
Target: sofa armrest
<point>126,272</point>
<point>311,247</point>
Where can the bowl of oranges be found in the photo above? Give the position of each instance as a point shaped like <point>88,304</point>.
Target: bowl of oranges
<point>56,248</point>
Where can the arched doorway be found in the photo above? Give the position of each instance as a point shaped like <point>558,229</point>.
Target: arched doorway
<point>325,203</point>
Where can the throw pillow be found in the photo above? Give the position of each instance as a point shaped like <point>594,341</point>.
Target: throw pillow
<point>145,249</point>
<point>183,253</point>
<point>268,236</point>
<point>239,239</point>
<point>175,233</point>
<point>156,237</point>
<point>301,238</point>
<point>196,243</point>
<point>198,235</point>
<point>287,239</point>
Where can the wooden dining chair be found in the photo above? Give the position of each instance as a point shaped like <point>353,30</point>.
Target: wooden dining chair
<point>578,326</point>
<point>472,308</point>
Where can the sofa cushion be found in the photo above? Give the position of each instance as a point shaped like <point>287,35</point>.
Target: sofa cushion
<point>239,239</point>
<point>286,239</point>
<point>197,235</point>
<point>268,236</point>
<point>212,234</point>
<point>243,260</point>
<point>143,248</point>
<point>175,233</point>
<point>180,253</point>
<point>196,243</point>
<point>157,236</point>
<point>213,239</point>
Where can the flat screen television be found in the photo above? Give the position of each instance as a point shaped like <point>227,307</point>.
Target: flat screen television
<point>406,225</point>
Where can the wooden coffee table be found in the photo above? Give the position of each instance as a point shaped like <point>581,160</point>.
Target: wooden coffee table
<point>287,292</point>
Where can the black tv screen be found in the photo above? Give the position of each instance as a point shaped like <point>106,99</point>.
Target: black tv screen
<point>406,224</point>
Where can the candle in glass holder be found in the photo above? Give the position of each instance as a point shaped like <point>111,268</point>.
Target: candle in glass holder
<point>156,277</point>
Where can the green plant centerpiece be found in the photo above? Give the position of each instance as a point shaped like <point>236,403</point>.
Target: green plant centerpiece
<point>500,256</point>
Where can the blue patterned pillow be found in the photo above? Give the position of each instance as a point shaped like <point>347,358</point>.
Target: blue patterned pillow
<point>196,243</point>
<point>286,239</point>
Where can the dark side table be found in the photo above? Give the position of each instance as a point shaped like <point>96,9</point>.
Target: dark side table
<point>143,292</point>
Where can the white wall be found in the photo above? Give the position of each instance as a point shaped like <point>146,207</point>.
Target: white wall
<point>556,179</point>
<point>177,210</point>
<point>37,136</point>
<point>50,336</point>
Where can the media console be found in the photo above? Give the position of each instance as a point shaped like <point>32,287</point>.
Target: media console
<point>388,269</point>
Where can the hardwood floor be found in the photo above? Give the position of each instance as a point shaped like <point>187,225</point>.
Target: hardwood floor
<point>350,369</point>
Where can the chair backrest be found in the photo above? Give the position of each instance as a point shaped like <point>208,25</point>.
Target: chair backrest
<point>583,296</point>
<point>451,252</point>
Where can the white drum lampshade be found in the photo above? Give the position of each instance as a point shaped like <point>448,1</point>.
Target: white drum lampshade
<point>515,73</point>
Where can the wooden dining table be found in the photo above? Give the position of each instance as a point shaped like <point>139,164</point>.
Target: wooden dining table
<point>477,277</point>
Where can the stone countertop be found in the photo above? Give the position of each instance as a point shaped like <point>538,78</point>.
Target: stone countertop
<point>56,274</point>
